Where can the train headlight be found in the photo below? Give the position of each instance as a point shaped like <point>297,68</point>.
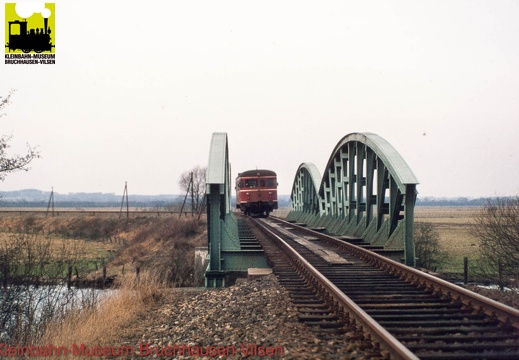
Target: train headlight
<point>270,192</point>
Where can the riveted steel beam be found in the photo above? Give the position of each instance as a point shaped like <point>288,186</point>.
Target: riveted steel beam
<point>226,257</point>
<point>305,198</point>
<point>217,192</point>
<point>367,191</point>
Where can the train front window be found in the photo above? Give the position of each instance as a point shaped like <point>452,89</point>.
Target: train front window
<point>251,183</point>
<point>262,183</point>
<point>271,183</point>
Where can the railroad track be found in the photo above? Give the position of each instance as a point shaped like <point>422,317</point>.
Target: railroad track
<point>403,312</point>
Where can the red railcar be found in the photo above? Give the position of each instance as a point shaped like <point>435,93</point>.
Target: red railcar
<point>256,192</point>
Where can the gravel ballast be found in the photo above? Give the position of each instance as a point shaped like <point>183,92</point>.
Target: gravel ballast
<point>253,319</point>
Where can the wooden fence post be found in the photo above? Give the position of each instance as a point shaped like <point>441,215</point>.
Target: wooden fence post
<point>69,277</point>
<point>465,270</point>
<point>104,275</point>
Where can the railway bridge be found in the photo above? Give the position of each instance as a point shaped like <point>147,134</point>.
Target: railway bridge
<point>345,255</point>
<point>366,196</point>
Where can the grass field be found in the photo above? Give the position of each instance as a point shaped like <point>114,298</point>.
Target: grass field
<point>453,225</point>
<point>163,242</point>
<point>52,255</point>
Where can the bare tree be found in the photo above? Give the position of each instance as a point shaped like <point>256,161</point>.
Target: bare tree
<point>192,182</point>
<point>9,164</point>
<point>428,250</point>
<point>497,228</point>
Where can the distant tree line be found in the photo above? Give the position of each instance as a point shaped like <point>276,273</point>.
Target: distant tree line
<point>166,205</point>
<point>36,198</point>
<point>460,201</point>
<point>32,198</point>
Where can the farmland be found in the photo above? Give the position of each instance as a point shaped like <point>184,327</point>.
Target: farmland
<point>453,225</point>
<point>86,242</point>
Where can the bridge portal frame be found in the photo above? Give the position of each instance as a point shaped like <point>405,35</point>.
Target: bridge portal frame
<point>226,257</point>
<point>367,191</point>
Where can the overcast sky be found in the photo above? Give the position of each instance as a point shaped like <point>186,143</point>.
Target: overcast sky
<point>139,88</point>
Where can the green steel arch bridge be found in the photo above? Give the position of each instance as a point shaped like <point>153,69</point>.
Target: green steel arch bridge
<point>366,194</point>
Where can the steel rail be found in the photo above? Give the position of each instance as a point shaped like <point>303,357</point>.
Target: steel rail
<point>502,312</point>
<point>381,336</point>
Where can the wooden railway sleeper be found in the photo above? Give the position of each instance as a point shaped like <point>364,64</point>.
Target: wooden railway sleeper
<point>381,334</point>
<point>321,315</point>
<point>452,295</point>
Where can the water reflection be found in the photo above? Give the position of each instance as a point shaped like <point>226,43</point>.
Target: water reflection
<point>26,309</point>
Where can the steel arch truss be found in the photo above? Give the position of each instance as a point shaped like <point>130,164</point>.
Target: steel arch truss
<point>219,216</point>
<point>367,193</point>
<point>226,255</point>
<point>306,202</point>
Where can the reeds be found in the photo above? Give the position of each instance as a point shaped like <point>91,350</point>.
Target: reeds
<point>100,326</point>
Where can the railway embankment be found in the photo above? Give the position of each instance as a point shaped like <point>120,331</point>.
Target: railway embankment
<point>251,319</point>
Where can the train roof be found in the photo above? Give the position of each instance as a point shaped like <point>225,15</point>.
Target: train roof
<point>260,172</point>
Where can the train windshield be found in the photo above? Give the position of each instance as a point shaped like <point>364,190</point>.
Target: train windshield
<point>251,183</point>
<point>270,183</point>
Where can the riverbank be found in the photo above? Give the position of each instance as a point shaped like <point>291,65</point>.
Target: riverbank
<point>94,251</point>
<point>88,251</point>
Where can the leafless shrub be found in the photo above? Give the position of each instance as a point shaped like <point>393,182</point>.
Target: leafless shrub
<point>428,250</point>
<point>167,246</point>
<point>13,163</point>
<point>497,227</point>
<point>193,183</point>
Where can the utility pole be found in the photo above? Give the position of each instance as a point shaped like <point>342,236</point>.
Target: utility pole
<point>189,188</point>
<point>125,196</point>
<point>51,203</point>
<point>192,196</point>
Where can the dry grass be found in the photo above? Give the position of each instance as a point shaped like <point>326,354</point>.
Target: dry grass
<point>164,243</point>
<point>89,249</point>
<point>166,246</point>
<point>460,215</point>
<point>101,325</point>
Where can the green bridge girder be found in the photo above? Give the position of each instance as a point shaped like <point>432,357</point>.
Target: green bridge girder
<point>367,192</point>
<point>226,256</point>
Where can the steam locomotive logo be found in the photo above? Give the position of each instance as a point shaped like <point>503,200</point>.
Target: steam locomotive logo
<point>29,27</point>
